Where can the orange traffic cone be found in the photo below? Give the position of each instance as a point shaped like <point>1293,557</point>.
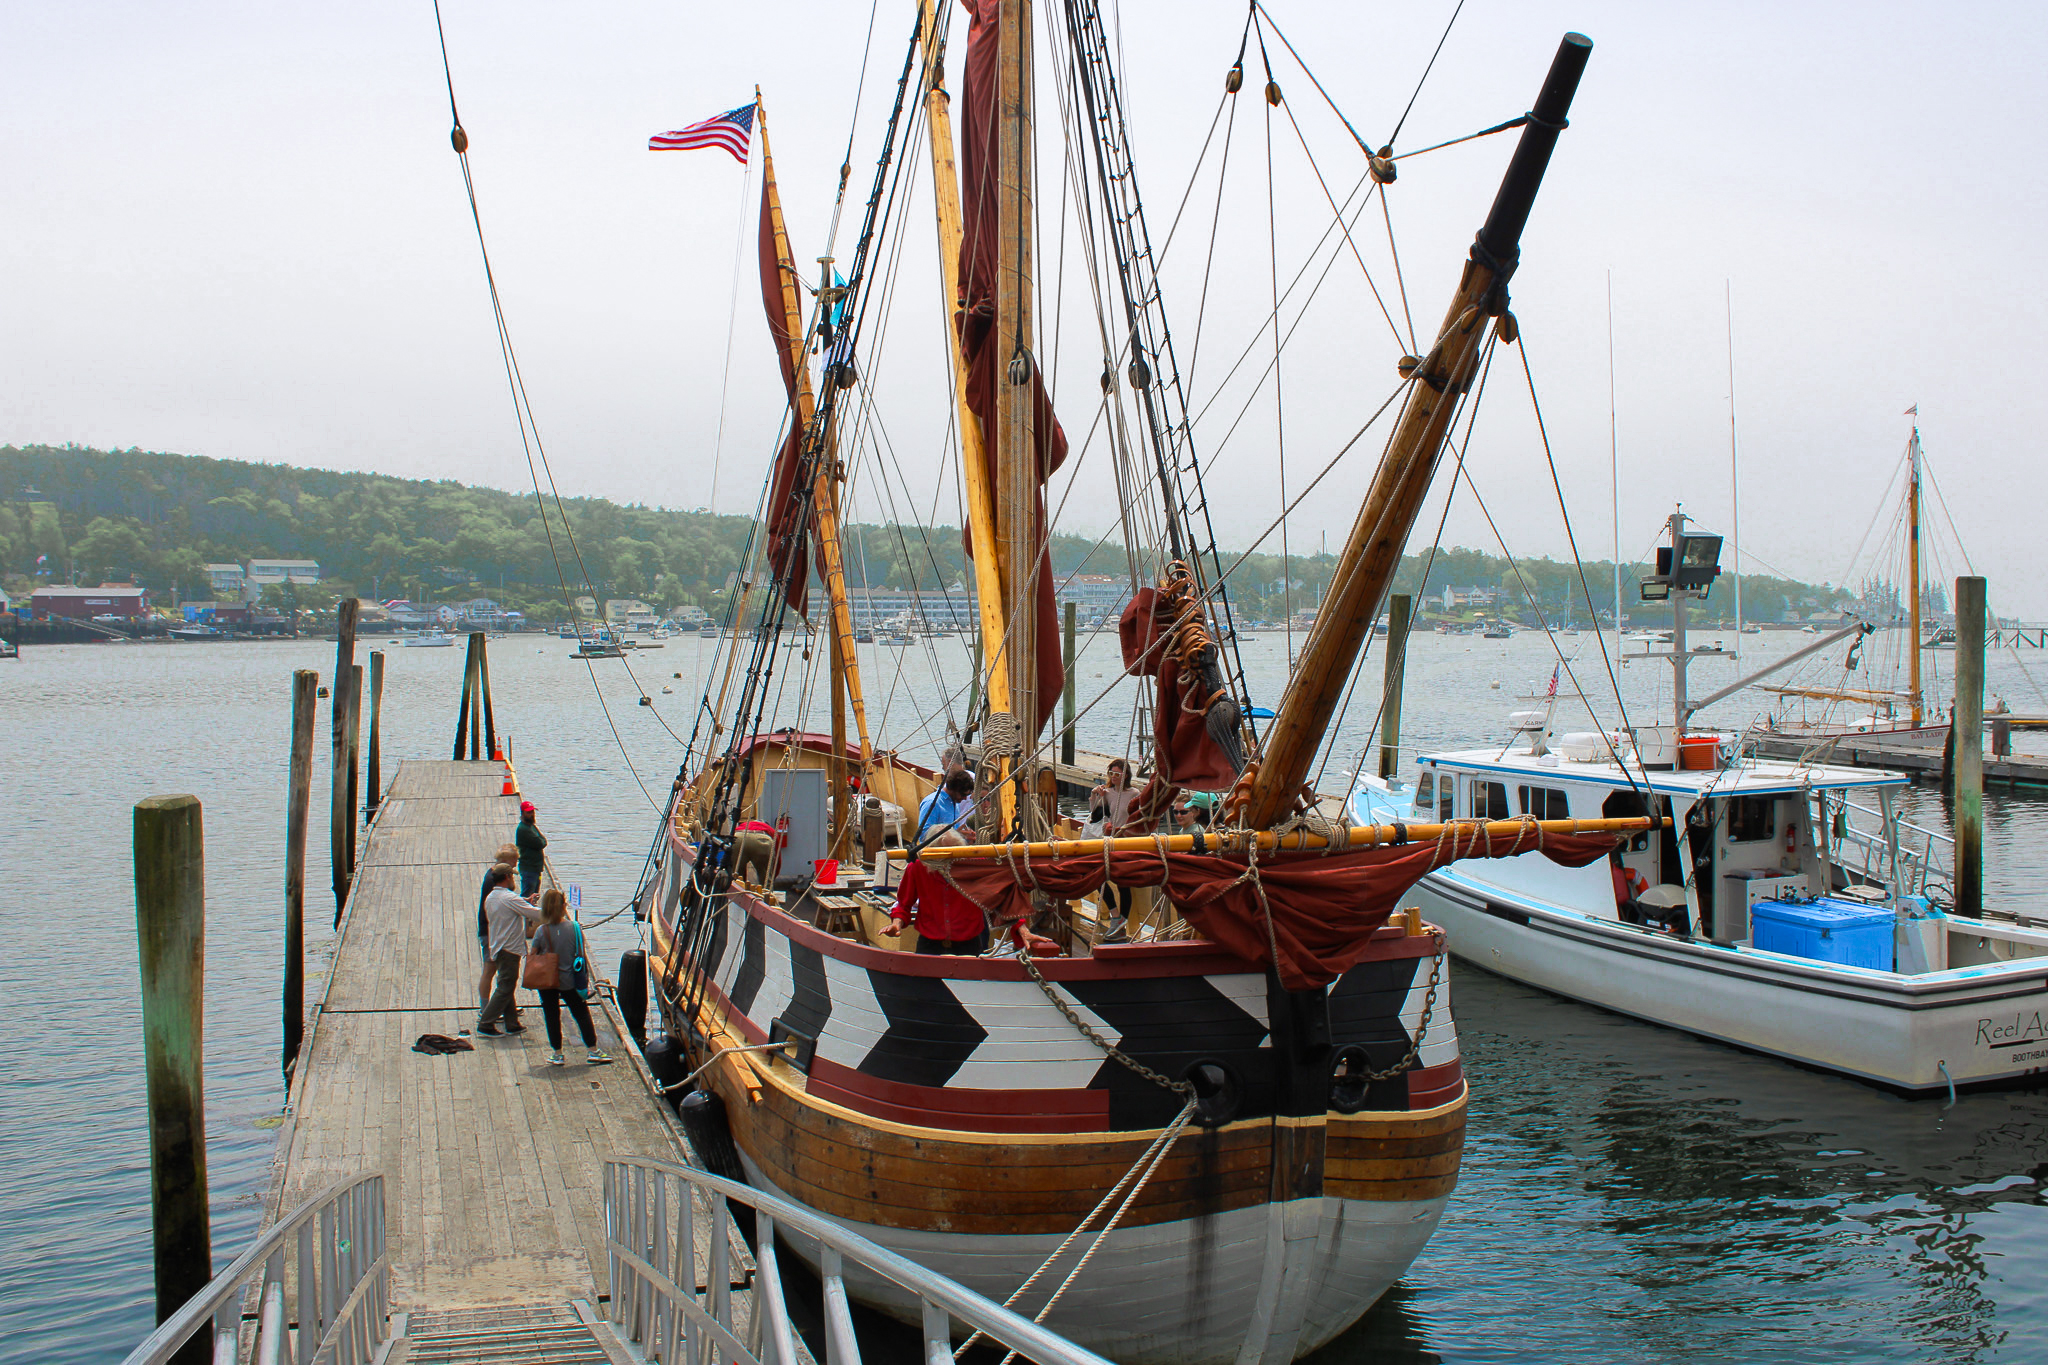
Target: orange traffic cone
<point>511,784</point>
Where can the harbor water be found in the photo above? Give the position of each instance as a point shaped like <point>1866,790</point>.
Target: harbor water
<point>1630,1194</point>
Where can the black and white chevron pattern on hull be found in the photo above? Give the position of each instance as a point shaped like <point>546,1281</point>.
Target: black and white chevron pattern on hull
<point>972,1034</point>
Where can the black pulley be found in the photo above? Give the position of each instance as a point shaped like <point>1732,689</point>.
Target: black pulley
<point>631,993</point>
<point>703,1115</point>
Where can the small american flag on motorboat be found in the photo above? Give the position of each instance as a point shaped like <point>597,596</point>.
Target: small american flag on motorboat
<point>732,130</point>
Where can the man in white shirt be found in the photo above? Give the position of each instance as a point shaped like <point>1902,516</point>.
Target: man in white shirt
<point>506,915</point>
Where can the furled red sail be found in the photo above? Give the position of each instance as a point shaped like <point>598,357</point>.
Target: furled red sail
<point>787,515</point>
<point>1325,906</point>
<point>1187,753</point>
<point>987,346</point>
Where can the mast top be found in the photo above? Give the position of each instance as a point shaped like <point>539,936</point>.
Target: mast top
<point>1499,243</point>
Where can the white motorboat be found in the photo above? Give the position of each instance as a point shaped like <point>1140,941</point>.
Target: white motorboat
<point>430,639</point>
<point>1785,908</point>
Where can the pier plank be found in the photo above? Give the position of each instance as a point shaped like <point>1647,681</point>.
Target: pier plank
<point>492,1158</point>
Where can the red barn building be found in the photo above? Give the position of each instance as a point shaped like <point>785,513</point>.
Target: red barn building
<point>85,603</point>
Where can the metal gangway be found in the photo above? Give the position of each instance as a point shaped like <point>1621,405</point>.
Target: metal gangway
<point>321,1280</point>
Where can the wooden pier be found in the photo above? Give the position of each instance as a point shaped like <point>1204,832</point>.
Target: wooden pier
<point>493,1159</point>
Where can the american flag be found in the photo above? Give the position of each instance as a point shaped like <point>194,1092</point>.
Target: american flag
<point>731,130</point>
<point>1553,680</point>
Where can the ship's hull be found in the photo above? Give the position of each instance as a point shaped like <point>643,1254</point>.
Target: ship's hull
<point>946,1108</point>
<point>1269,1282</point>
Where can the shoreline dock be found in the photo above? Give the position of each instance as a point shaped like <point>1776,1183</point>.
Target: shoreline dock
<point>494,1160</point>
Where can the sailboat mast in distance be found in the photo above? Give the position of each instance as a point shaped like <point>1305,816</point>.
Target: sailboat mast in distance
<point>1913,559</point>
<point>1613,455</point>
<point>1366,564</point>
<point>1734,468</point>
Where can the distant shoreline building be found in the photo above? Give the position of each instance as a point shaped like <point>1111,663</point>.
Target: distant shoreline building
<point>82,604</point>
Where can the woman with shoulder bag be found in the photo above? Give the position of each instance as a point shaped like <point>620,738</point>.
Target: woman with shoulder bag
<point>559,968</point>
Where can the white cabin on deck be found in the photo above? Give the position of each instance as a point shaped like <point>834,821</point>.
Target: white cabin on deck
<point>1748,831</point>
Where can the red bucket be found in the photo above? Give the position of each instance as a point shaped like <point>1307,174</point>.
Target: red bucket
<point>827,871</point>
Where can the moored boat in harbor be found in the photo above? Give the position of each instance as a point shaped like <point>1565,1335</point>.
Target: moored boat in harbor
<point>1787,908</point>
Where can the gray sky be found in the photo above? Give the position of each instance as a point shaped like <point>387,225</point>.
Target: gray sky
<point>237,230</point>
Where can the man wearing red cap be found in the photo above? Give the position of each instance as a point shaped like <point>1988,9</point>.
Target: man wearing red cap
<point>531,841</point>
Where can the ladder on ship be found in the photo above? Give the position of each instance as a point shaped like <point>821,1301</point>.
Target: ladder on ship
<point>1151,368</point>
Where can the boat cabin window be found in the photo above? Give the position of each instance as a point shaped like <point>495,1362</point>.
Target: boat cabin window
<point>1425,791</point>
<point>1752,818</point>
<point>1489,801</point>
<point>1545,803</point>
<point>1446,809</point>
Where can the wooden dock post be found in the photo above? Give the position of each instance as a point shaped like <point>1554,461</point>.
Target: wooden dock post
<point>1067,695</point>
<point>476,696</point>
<point>1967,727</point>
<point>305,683</point>
<point>341,851</point>
<point>374,779</point>
<point>170,930</point>
<point>483,666</point>
<point>1398,611</point>
<point>462,711</point>
<point>355,761</point>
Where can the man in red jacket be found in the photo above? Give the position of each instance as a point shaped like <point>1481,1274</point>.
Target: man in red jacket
<point>947,922</point>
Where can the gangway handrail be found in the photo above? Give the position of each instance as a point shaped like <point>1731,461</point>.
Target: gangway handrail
<point>646,1248</point>
<point>343,1288</point>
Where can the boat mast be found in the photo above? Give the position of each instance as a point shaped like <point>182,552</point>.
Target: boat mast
<point>1016,444</point>
<point>1734,470</point>
<point>1366,564</point>
<point>1913,556</point>
<point>989,600</point>
<point>845,666</point>
<point>1613,458</point>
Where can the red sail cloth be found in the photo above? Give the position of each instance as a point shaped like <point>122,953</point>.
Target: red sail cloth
<point>1188,756</point>
<point>987,345</point>
<point>789,525</point>
<point>1325,907</point>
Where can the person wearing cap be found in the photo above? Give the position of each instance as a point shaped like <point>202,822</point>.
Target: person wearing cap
<point>530,841</point>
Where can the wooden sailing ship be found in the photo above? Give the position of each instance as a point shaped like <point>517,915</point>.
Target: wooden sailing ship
<point>1218,1147</point>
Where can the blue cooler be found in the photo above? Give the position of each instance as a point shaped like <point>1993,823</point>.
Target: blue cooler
<point>1848,933</point>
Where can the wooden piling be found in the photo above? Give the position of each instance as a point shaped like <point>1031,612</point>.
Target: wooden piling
<point>1067,695</point>
<point>355,762</point>
<point>374,778</point>
<point>476,696</point>
<point>170,930</point>
<point>1398,611</point>
<point>1967,725</point>
<point>483,666</point>
<point>341,848</point>
<point>462,711</point>
<point>305,685</point>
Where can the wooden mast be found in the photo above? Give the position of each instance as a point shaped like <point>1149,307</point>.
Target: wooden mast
<point>844,665</point>
<point>981,525</point>
<point>1016,482</point>
<point>1913,554</point>
<point>1370,555</point>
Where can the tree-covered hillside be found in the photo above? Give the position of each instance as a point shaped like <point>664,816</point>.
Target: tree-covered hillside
<point>157,519</point>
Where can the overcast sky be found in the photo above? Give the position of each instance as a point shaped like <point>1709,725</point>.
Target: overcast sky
<point>237,230</point>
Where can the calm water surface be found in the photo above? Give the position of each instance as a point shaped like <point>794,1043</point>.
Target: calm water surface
<point>1629,1193</point>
